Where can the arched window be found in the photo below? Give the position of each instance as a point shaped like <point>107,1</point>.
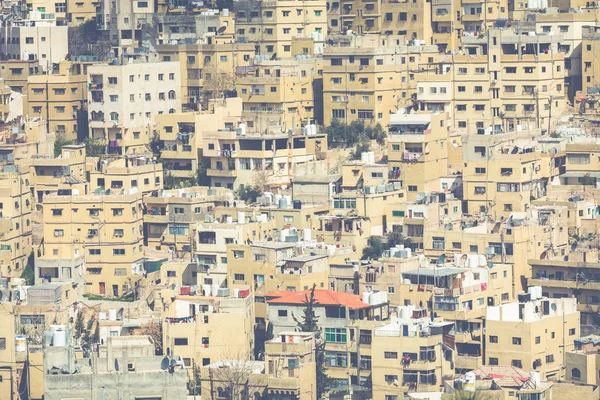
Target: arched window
<point>575,373</point>
<point>172,111</point>
<point>114,116</point>
<point>171,94</point>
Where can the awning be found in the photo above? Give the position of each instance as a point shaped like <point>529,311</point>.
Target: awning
<point>580,174</point>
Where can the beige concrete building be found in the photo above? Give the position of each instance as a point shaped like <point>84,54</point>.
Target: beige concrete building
<point>590,64</point>
<point>37,38</point>
<point>272,26</point>
<point>7,353</point>
<point>124,98</point>
<point>125,173</point>
<point>370,77</point>
<point>103,232</point>
<point>193,328</point>
<point>279,95</point>
<point>15,220</point>
<point>121,23</point>
<point>16,73</point>
<point>188,136</point>
<point>583,362</point>
<point>418,151</point>
<point>533,333</point>
<point>60,99</point>
<point>206,66</point>
<point>80,11</point>
<point>65,174</point>
<point>5,93</point>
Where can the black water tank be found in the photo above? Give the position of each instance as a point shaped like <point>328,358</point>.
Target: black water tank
<point>297,204</point>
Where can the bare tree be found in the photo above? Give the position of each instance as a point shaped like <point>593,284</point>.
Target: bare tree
<point>216,83</point>
<point>154,330</point>
<point>235,379</point>
<point>262,178</point>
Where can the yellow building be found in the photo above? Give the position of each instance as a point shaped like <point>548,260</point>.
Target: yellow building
<point>418,151</point>
<point>64,174</point>
<point>370,77</point>
<point>105,230</point>
<point>590,63</point>
<point>279,95</point>
<point>16,74</point>
<point>5,92</point>
<point>80,11</point>
<point>60,99</point>
<point>8,372</point>
<point>125,172</point>
<point>582,364</point>
<point>206,66</point>
<point>271,26</point>
<point>534,333</point>
<point>193,328</point>
<point>183,136</point>
<point>15,220</point>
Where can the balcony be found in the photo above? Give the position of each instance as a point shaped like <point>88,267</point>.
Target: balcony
<point>468,362</point>
<point>565,284</point>
<point>224,173</point>
<point>408,156</point>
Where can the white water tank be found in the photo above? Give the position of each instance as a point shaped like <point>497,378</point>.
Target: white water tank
<point>482,260</point>
<point>535,378</point>
<point>229,219</point>
<point>102,316</point>
<point>470,381</point>
<point>405,313</point>
<point>364,157</point>
<point>112,315</point>
<point>242,127</point>
<point>241,217</point>
<point>206,290</point>
<point>306,234</point>
<point>532,292</point>
<point>215,290</point>
<point>365,297</point>
<point>236,293</point>
<point>59,337</point>
<point>371,157</point>
<point>539,292</point>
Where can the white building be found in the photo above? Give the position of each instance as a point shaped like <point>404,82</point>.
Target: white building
<point>124,98</point>
<point>36,38</point>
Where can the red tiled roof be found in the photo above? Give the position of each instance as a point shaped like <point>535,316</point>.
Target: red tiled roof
<point>323,297</point>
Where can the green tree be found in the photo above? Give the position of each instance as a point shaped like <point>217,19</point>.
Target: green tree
<point>29,272</point>
<point>59,143</point>
<point>201,174</point>
<point>310,323</point>
<point>94,148</point>
<point>361,147</point>
<point>194,383</point>
<point>248,193</point>
<point>376,245</point>
<point>587,180</point>
<point>468,395</point>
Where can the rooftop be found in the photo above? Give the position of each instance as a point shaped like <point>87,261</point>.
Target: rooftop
<point>322,297</point>
<point>504,375</point>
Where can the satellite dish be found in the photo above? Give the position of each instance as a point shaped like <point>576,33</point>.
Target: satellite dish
<point>116,365</point>
<point>553,306</point>
<point>164,364</point>
<point>274,56</point>
<point>173,362</point>
<point>221,30</point>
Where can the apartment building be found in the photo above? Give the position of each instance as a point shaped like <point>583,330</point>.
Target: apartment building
<point>429,210</point>
<point>370,77</point>
<point>577,277</point>
<point>405,18</point>
<point>347,324</point>
<point>15,220</point>
<point>37,38</point>
<point>234,156</point>
<point>56,7</point>
<point>60,99</point>
<point>505,173</point>
<point>271,26</point>
<point>7,352</point>
<point>583,362</point>
<point>126,172</point>
<point>580,162</point>
<point>121,23</point>
<point>179,24</point>
<point>512,241</point>
<point>415,338</point>
<point>418,151</point>
<point>207,66</point>
<point>590,64</point>
<point>104,231</point>
<point>16,73</point>
<point>65,174</point>
<point>80,11</point>
<point>570,26</point>
<point>452,21</point>
<point>184,134</point>
<point>193,328</point>
<point>534,331</point>
<point>124,98</point>
<point>171,216</point>
<point>279,95</point>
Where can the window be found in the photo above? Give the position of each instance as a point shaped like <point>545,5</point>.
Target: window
<point>549,358</point>
<point>574,158</point>
<point>180,342</point>
<point>575,374</point>
<point>517,363</point>
<point>95,252</point>
<point>238,277</point>
<point>390,354</point>
<point>59,233</point>
<point>516,341</point>
<point>412,188</point>
<point>118,232</point>
<point>571,331</point>
<point>112,80</point>
<point>335,335</point>
<point>282,313</point>
<point>391,378</point>
<point>57,212</point>
<point>493,361</point>
<point>118,252</point>
<point>493,339</point>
